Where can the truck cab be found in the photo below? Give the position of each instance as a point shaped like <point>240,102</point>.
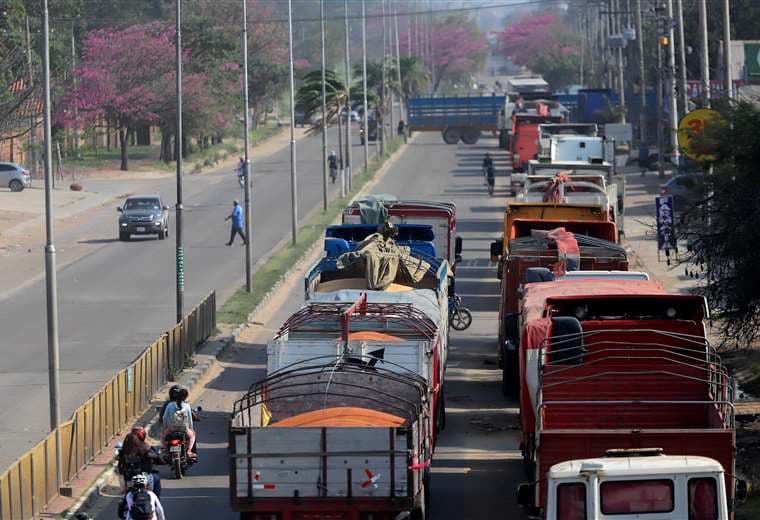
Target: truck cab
<point>575,147</point>
<point>636,484</point>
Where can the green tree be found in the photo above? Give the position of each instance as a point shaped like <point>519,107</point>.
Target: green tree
<point>722,229</point>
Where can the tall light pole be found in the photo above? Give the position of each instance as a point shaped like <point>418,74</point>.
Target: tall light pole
<point>180,254</point>
<point>398,66</point>
<point>293,187</point>
<point>727,49</point>
<point>246,145</point>
<point>704,62</point>
<point>324,103</point>
<point>391,96</point>
<point>682,57</point>
<point>365,116</point>
<point>51,282</point>
<point>642,77</point>
<point>672,90</point>
<point>348,99</point>
<point>383,90</point>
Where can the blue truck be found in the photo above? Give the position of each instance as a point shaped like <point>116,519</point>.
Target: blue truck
<point>457,118</point>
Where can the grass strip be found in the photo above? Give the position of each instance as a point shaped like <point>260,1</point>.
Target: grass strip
<point>237,308</point>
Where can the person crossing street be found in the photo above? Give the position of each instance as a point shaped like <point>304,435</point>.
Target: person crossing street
<point>237,223</point>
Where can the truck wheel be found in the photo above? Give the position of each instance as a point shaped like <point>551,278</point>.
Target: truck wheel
<point>451,136</point>
<point>470,136</point>
<point>426,492</point>
<point>442,411</point>
<point>510,373</point>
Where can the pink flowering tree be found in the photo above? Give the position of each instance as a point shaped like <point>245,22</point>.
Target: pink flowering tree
<point>122,77</point>
<point>541,42</point>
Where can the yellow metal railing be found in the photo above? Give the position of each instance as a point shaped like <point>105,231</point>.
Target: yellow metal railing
<point>29,484</point>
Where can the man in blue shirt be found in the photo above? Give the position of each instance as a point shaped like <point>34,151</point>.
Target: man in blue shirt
<point>237,223</point>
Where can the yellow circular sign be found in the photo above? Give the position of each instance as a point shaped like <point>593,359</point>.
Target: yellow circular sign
<point>692,125</point>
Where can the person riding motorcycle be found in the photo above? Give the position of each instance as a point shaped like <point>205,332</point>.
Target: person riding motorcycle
<point>136,456</point>
<point>179,410</point>
<point>240,168</point>
<point>488,170</point>
<point>332,160</point>
<point>140,503</point>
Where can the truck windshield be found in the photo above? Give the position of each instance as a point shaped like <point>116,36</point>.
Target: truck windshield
<point>703,499</point>
<point>571,501</point>
<point>637,496</point>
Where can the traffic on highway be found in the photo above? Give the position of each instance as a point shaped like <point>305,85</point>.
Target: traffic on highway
<point>481,264</point>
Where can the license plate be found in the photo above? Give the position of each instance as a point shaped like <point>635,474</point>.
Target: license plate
<point>140,229</point>
<point>175,449</point>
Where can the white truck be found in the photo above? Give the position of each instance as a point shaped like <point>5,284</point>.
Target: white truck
<point>576,148</point>
<point>640,484</point>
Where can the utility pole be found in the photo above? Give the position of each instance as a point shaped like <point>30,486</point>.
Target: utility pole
<point>246,146</point>
<point>398,68</point>
<point>672,90</point>
<point>642,78</point>
<point>32,122</point>
<point>51,282</point>
<point>348,98</point>
<point>383,94</point>
<point>179,210</point>
<point>365,115</point>
<point>621,77</point>
<point>386,52</point>
<point>660,139</point>
<point>584,25</point>
<point>682,58</point>
<point>293,188</point>
<point>324,104</point>
<point>704,54</point>
<point>727,49</point>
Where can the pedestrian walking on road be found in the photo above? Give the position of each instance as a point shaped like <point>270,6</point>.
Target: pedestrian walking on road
<point>237,223</point>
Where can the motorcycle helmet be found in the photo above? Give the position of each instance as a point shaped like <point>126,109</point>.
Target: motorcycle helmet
<point>139,432</point>
<point>388,229</point>
<point>140,481</point>
<point>174,391</point>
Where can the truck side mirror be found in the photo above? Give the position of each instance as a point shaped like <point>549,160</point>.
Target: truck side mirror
<point>742,490</point>
<point>458,245</point>
<point>526,494</point>
<point>496,248</point>
<point>119,209</point>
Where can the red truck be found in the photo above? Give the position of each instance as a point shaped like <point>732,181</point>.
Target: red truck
<point>611,365</point>
<point>592,240</point>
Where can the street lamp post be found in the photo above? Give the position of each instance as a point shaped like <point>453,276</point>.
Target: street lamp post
<point>324,104</point>
<point>348,99</point>
<point>365,115</point>
<point>51,282</point>
<point>247,166</point>
<point>672,86</point>
<point>180,255</point>
<point>293,187</point>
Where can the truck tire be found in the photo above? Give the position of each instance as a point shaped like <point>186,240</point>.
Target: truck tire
<point>451,135</point>
<point>510,373</point>
<point>442,411</point>
<point>470,135</point>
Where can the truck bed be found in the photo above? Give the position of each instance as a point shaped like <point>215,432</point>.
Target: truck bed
<point>440,113</point>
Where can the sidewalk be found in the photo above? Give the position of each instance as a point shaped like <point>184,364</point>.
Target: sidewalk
<point>641,235</point>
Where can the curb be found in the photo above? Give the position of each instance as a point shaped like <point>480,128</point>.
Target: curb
<point>189,379</point>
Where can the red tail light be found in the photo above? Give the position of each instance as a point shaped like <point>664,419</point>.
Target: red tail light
<point>175,442</point>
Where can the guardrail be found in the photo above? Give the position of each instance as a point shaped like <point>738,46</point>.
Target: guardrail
<point>29,484</point>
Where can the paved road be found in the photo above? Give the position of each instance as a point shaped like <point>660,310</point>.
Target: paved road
<point>477,461</point>
<point>120,297</point>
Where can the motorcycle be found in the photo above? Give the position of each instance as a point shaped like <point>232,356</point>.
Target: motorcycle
<point>241,179</point>
<point>175,454</point>
<point>333,174</point>
<point>489,174</point>
<point>460,316</point>
<point>132,466</point>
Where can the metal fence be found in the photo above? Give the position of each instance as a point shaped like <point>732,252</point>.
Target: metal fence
<point>29,484</point>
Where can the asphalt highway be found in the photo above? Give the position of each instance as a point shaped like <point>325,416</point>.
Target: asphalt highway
<point>117,299</point>
<point>477,463</point>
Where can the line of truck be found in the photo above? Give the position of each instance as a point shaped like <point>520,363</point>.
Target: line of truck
<point>626,410</point>
<point>345,423</point>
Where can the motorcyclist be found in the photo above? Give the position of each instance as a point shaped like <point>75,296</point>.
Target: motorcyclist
<point>488,169</point>
<point>332,160</point>
<point>240,168</point>
<point>140,503</point>
<point>136,456</point>
<point>179,407</point>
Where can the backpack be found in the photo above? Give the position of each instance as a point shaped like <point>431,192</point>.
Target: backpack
<point>130,466</point>
<point>142,505</point>
<point>178,421</point>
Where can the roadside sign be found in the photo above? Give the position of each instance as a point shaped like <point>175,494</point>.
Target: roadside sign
<point>692,125</point>
<point>666,230</point>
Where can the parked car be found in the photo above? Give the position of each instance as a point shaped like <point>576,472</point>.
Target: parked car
<point>15,176</point>
<point>686,189</point>
<point>143,215</point>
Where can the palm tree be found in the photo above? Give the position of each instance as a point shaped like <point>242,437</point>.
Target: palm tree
<point>414,77</point>
<point>309,96</point>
